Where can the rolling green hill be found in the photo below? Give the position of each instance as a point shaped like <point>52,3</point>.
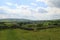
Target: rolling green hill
<point>14,20</point>
<point>20,29</point>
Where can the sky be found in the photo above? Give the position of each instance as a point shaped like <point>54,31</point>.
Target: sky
<point>30,9</point>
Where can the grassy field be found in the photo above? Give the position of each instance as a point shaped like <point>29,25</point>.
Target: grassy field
<point>18,34</point>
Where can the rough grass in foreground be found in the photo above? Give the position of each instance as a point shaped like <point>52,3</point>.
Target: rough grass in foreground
<point>18,34</point>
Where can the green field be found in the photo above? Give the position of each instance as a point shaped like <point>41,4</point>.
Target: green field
<point>18,34</point>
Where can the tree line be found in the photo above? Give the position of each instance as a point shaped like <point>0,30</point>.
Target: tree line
<point>34,25</point>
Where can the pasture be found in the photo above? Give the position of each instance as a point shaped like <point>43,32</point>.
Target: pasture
<point>19,34</point>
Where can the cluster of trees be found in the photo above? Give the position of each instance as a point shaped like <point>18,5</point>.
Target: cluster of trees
<point>35,25</point>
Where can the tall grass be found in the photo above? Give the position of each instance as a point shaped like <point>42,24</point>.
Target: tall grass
<point>18,34</point>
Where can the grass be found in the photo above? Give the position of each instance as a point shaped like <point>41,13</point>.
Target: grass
<point>18,34</point>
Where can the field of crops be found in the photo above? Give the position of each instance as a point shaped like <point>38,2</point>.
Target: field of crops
<point>18,34</point>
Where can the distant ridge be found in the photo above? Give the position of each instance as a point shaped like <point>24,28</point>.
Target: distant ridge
<point>14,20</point>
<point>23,20</point>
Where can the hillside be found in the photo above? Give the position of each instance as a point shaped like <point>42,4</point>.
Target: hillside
<point>14,20</point>
<point>24,29</point>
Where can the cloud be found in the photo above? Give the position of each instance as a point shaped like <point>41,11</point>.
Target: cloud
<point>8,3</point>
<point>45,1</point>
<point>34,4</point>
<point>51,3</point>
<point>42,10</point>
<point>54,3</point>
<point>26,11</point>
<point>53,8</point>
<point>22,12</point>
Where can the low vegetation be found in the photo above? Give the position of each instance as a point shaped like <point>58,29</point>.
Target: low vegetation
<point>34,25</point>
<point>31,30</point>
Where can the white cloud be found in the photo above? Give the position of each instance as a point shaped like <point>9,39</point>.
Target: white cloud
<point>8,3</point>
<point>45,1</point>
<point>25,11</point>
<point>34,4</point>
<point>51,3</point>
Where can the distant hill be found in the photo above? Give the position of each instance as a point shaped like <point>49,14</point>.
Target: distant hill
<point>14,20</point>
<point>25,20</point>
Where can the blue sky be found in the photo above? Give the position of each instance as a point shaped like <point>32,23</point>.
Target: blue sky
<point>29,9</point>
<point>22,2</point>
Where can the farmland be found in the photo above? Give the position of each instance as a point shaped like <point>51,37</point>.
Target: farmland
<point>33,30</point>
